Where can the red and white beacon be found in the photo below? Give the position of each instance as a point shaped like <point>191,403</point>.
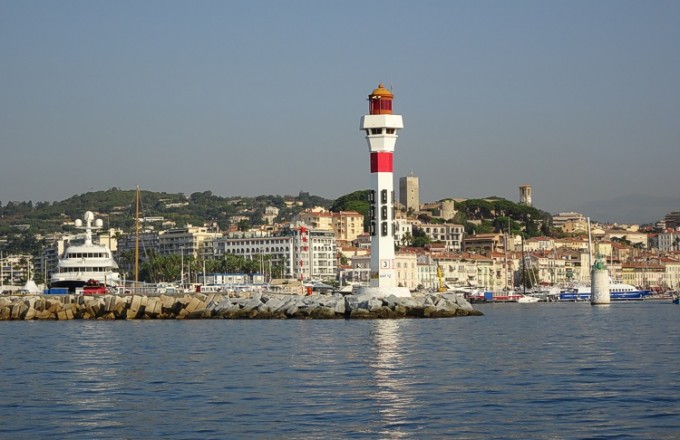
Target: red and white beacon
<point>381,127</point>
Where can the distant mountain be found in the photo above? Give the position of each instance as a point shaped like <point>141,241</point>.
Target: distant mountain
<point>630,209</point>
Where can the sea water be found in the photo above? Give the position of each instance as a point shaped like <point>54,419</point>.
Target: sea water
<point>521,371</point>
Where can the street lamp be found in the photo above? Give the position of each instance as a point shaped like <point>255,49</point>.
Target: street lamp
<point>181,277</point>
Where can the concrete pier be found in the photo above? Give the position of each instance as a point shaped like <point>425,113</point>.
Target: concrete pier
<point>244,305</point>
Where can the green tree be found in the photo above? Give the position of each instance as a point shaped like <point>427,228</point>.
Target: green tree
<point>420,238</point>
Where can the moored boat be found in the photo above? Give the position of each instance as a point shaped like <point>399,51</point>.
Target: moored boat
<point>617,292</point>
<point>85,263</point>
<point>526,299</point>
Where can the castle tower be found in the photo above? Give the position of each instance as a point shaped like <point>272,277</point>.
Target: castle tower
<point>409,193</point>
<point>381,128</point>
<point>525,195</point>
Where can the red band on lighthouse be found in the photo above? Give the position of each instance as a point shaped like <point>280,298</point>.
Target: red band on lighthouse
<point>381,162</point>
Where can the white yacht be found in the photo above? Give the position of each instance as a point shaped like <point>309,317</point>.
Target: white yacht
<point>87,263</point>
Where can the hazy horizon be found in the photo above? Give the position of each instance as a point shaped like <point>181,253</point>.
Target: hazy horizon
<point>578,99</point>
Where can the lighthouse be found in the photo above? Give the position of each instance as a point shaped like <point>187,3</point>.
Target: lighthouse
<point>381,127</point>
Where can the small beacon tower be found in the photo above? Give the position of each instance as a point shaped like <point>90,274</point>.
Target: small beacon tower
<point>599,283</point>
<point>381,128</point>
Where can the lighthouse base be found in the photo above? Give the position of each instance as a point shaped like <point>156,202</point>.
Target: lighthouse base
<point>383,292</point>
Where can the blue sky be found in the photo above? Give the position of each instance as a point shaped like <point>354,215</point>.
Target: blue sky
<point>580,99</point>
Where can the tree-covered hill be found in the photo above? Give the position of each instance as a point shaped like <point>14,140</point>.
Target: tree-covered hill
<point>23,223</point>
<point>117,209</point>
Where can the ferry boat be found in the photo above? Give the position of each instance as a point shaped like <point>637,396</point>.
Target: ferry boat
<point>617,292</point>
<point>85,264</point>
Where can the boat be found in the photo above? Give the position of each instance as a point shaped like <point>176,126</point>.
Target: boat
<point>526,299</point>
<point>676,300</point>
<point>85,263</point>
<point>617,292</point>
<point>485,296</point>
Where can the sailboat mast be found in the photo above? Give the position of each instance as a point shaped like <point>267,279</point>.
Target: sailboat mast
<point>590,246</point>
<point>137,240</point>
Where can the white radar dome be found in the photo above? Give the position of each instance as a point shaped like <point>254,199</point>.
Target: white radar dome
<point>79,223</point>
<point>99,223</point>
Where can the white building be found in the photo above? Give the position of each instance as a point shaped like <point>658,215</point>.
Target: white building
<point>304,253</point>
<point>451,235</point>
<point>187,241</point>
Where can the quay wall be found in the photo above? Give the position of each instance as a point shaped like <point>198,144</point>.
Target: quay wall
<point>244,305</point>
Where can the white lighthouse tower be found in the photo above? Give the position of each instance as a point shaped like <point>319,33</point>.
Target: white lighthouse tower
<point>381,128</point>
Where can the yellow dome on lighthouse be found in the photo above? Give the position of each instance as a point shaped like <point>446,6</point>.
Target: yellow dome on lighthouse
<point>381,91</point>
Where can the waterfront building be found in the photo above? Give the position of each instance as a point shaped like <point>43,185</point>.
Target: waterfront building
<point>253,245</point>
<point>461,270</point>
<point>187,241</point>
<point>314,254</point>
<point>15,269</point>
<point>549,269</point>
<point>230,279</point>
<point>671,276</point>
<point>407,270</point>
<point>645,274</point>
<point>303,253</point>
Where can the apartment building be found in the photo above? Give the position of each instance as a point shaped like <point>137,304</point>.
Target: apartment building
<point>570,222</point>
<point>187,241</point>
<point>303,252</point>
<point>346,225</point>
<point>666,241</point>
<point>484,243</point>
<point>451,235</point>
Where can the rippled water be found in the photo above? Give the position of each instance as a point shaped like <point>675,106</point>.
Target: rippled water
<point>520,371</point>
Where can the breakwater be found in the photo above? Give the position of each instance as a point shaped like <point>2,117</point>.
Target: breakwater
<point>246,305</point>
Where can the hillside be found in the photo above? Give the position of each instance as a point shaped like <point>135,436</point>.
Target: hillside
<point>19,221</point>
<point>23,225</point>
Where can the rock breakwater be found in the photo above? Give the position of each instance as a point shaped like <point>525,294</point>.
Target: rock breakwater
<point>229,306</point>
